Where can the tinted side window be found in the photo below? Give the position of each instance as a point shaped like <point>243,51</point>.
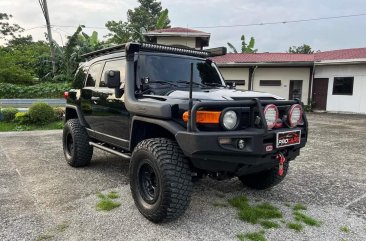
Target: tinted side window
<point>119,65</point>
<point>80,77</point>
<point>93,75</point>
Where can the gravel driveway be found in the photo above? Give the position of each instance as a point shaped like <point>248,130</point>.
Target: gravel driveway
<point>42,198</point>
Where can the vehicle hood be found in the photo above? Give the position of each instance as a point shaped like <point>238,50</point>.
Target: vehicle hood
<point>221,94</point>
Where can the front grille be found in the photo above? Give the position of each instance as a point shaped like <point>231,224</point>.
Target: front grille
<point>244,120</point>
<point>247,119</point>
<point>248,112</point>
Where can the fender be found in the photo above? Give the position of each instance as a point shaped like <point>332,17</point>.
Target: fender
<point>78,113</point>
<point>169,126</point>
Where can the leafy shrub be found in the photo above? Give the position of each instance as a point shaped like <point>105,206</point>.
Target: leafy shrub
<point>59,113</point>
<point>43,90</point>
<point>62,78</point>
<point>8,114</point>
<point>22,118</point>
<point>41,113</point>
<point>14,74</point>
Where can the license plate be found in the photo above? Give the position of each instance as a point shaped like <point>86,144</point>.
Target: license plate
<point>288,138</point>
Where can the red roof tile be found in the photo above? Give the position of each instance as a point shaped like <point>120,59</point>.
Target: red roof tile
<point>357,53</point>
<point>342,54</point>
<point>263,58</point>
<point>177,30</point>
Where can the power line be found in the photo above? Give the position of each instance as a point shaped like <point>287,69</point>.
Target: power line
<point>283,22</point>
<point>228,26</point>
<point>70,26</point>
<point>36,27</point>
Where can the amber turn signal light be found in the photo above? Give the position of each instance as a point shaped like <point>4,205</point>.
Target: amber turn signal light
<point>205,117</point>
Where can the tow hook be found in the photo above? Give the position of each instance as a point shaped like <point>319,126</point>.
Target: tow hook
<point>282,160</point>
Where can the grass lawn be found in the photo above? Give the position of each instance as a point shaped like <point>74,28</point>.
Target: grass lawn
<point>11,126</point>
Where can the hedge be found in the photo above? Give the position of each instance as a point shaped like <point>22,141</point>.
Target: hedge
<point>41,113</point>
<point>43,90</point>
<point>8,114</point>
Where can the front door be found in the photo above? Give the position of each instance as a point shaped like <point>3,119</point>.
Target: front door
<point>320,93</point>
<point>110,112</point>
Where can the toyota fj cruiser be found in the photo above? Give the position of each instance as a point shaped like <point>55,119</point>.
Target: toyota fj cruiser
<point>170,111</point>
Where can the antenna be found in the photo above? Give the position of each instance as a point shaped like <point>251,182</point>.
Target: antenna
<point>189,123</point>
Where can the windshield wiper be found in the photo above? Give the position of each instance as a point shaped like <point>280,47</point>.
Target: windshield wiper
<point>188,82</point>
<point>214,84</point>
<point>162,82</point>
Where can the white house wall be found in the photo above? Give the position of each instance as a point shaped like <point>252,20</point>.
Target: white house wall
<point>236,74</point>
<point>190,42</point>
<point>285,75</point>
<point>356,102</point>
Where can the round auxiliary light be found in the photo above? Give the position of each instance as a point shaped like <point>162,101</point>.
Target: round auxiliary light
<point>230,120</point>
<point>295,115</point>
<point>271,115</point>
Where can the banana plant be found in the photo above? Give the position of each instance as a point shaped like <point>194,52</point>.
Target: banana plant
<point>245,48</point>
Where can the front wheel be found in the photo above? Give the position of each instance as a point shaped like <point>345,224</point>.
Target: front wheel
<point>265,179</point>
<point>160,179</point>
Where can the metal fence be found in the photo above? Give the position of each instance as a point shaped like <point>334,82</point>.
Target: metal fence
<point>26,103</point>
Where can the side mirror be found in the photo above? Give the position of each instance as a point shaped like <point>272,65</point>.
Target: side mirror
<point>231,85</point>
<point>112,79</point>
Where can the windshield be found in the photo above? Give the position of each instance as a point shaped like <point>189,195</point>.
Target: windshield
<point>177,70</point>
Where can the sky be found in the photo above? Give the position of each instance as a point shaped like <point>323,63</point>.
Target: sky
<point>320,35</point>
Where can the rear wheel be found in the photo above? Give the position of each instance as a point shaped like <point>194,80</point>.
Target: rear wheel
<point>265,179</point>
<point>160,179</point>
<point>76,146</point>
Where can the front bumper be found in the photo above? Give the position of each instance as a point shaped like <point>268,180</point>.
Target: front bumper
<point>206,152</point>
<point>259,153</point>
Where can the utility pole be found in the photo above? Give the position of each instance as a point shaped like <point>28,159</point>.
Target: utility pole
<point>43,4</point>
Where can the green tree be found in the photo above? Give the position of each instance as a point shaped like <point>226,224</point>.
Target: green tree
<point>6,28</point>
<point>16,41</point>
<point>22,61</point>
<point>145,18</point>
<point>69,56</point>
<point>245,47</point>
<point>303,49</point>
<point>120,32</point>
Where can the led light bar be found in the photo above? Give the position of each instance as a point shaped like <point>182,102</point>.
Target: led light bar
<point>175,50</point>
<point>135,47</point>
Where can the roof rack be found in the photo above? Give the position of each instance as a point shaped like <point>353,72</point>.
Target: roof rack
<point>158,48</point>
<point>108,50</point>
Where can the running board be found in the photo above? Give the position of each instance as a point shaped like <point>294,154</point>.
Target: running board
<point>110,150</point>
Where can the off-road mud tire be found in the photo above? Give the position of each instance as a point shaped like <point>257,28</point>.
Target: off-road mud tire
<point>162,160</point>
<point>76,146</point>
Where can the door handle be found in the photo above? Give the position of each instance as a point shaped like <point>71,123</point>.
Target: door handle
<point>95,98</point>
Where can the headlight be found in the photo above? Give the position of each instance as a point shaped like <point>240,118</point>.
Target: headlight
<point>295,115</point>
<point>230,120</point>
<point>271,115</point>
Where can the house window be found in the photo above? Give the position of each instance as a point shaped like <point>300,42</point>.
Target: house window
<point>237,82</point>
<point>270,83</point>
<point>343,86</point>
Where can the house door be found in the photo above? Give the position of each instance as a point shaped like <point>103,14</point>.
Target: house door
<point>295,90</point>
<point>320,92</point>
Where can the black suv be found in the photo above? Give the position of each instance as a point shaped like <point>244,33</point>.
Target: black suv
<point>169,110</point>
